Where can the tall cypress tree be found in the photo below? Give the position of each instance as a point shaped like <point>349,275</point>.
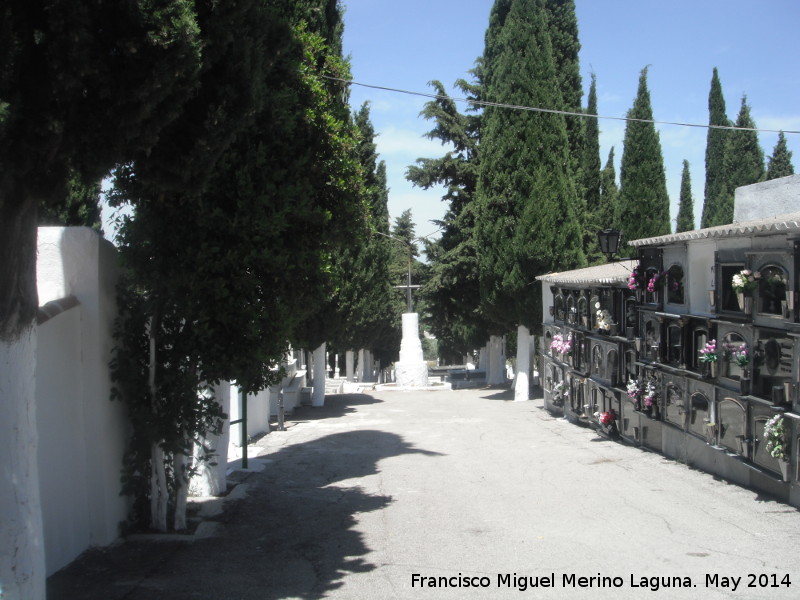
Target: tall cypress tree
<point>715,155</point>
<point>607,215</point>
<point>562,25</point>
<point>744,161</point>
<point>686,206</point>
<point>590,208</point>
<point>780,163</point>
<point>365,298</point>
<point>526,223</point>
<point>525,215</point>
<point>643,199</point>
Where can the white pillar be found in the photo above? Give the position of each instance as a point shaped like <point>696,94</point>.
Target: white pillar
<point>22,564</point>
<point>318,395</point>
<point>496,373</point>
<point>349,366</point>
<point>210,479</point>
<point>483,356</point>
<point>360,367</point>
<point>369,367</point>
<point>521,385</point>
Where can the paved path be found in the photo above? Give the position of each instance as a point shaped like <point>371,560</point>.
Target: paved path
<point>360,497</point>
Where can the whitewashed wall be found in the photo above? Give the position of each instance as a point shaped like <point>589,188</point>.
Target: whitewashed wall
<point>82,434</point>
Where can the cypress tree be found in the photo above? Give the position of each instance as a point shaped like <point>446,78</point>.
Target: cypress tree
<point>590,171</point>
<point>686,206</point>
<point>715,155</point>
<point>562,25</point>
<point>609,196</point>
<point>643,199</point>
<point>744,161</point>
<point>526,225</point>
<point>525,218</point>
<point>365,298</point>
<point>780,163</point>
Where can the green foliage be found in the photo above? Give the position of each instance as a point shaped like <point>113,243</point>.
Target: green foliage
<point>525,218</point>
<point>452,293</point>
<point>83,85</point>
<point>81,207</point>
<point>224,269</point>
<point>608,214</point>
<point>780,163</point>
<point>366,301</point>
<point>562,26</point>
<point>713,213</point>
<point>686,206</point>
<point>643,200</point>
<point>590,208</point>
<point>743,162</point>
<point>404,230</point>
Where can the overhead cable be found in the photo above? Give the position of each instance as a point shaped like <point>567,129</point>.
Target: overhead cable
<point>550,110</point>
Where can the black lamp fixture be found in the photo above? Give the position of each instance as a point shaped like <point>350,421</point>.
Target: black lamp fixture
<point>609,241</point>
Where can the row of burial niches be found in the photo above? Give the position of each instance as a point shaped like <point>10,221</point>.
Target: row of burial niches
<point>729,383</point>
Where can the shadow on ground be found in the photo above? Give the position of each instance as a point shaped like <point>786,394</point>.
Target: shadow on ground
<point>507,393</point>
<point>292,536</point>
<point>336,405</point>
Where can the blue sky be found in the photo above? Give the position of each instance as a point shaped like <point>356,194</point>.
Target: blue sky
<point>753,43</point>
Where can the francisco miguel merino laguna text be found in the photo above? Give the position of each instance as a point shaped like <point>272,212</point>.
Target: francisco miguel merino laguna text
<point>568,580</point>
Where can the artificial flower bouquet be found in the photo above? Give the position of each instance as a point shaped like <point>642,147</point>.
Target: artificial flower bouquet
<point>740,356</point>
<point>745,281</point>
<point>603,317</point>
<point>775,434</point>
<point>560,344</point>
<point>709,352</point>
<point>607,418</point>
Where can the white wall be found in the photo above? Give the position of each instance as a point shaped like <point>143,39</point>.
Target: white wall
<point>83,435</point>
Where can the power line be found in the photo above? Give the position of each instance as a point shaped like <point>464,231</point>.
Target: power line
<point>550,110</point>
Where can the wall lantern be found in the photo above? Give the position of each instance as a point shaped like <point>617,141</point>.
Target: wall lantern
<point>609,241</point>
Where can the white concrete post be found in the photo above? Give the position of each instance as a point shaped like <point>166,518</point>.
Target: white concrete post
<point>318,395</point>
<point>361,367</point>
<point>210,480</point>
<point>496,374</point>
<point>349,359</point>
<point>22,561</point>
<point>369,367</point>
<point>521,386</point>
<point>483,356</point>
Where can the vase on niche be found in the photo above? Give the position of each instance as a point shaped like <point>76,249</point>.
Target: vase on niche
<point>711,369</point>
<point>745,303</point>
<point>784,465</point>
<point>745,383</point>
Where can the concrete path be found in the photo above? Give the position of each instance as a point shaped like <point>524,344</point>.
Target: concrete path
<point>377,496</point>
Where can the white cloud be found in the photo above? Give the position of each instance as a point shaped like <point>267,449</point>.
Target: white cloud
<point>407,144</point>
<point>785,123</point>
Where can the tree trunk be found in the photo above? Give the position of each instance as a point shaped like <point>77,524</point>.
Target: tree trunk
<point>210,479</point>
<point>318,395</point>
<point>181,489</point>
<point>159,494</point>
<point>521,383</point>
<point>22,560</point>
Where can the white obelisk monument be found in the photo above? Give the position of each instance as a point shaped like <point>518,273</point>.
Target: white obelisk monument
<point>411,370</point>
